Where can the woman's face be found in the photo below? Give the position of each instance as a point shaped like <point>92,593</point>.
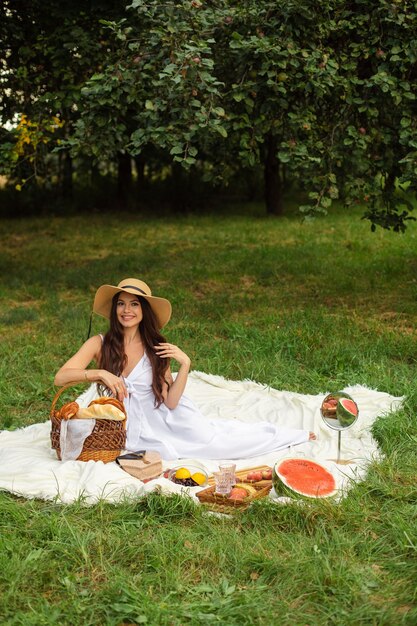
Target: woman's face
<point>129,310</point>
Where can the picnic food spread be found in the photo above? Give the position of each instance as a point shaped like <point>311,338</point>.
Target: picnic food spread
<point>100,408</point>
<point>257,475</point>
<point>242,491</point>
<point>249,484</point>
<point>303,477</point>
<point>187,476</point>
<point>103,408</point>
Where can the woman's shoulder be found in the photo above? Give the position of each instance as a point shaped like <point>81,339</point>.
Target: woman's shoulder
<point>95,340</point>
<point>94,343</point>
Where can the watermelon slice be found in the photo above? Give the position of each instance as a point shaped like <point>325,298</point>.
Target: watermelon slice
<point>303,477</point>
<point>346,411</point>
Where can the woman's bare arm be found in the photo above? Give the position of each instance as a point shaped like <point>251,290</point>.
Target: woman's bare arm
<point>172,395</point>
<point>75,369</point>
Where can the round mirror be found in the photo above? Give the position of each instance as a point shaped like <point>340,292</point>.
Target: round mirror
<point>339,411</point>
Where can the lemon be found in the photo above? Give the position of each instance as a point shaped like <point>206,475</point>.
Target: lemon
<point>182,473</point>
<point>199,478</point>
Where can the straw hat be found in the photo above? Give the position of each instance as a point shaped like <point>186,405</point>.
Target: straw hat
<point>104,294</point>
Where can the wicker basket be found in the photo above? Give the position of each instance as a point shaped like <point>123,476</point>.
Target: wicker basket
<point>106,442</point>
<point>210,497</point>
<point>217,502</point>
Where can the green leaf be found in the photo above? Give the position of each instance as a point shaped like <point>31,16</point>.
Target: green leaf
<point>284,157</point>
<point>405,122</point>
<point>326,202</point>
<point>221,130</point>
<point>169,69</point>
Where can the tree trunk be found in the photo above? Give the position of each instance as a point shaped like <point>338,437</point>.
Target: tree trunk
<point>66,174</point>
<point>95,178</point>
<point>272,177</point>
<point>140,173</point>
<point>390,180</point>
<point>124,180</point>
<point>251,178</point>
<point>178,189</point>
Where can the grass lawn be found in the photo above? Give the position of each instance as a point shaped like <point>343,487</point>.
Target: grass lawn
<point>309,307</point>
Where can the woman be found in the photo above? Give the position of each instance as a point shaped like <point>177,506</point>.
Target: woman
<point>134,365</point>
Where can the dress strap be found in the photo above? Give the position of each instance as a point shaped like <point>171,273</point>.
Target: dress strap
<point>101,337</point>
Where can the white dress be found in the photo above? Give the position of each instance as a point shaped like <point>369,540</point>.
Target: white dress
<point>184,432</point>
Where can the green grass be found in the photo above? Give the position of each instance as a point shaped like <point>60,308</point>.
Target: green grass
<point>308,307</point>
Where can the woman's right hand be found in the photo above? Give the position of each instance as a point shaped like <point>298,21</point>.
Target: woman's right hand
<point>75,370</point>
<point>115,383</point>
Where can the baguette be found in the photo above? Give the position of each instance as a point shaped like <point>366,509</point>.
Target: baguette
<point>99,410</point>
<point>114,401</point>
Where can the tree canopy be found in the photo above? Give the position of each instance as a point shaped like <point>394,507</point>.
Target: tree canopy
<point>320,94</point>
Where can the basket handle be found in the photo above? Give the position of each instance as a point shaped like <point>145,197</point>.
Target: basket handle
<point>56,396</point>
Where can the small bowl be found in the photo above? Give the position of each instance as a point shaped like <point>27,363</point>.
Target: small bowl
<point>193,469</point>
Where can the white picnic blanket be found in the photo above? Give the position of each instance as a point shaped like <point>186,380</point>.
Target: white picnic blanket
<point>29,468</point>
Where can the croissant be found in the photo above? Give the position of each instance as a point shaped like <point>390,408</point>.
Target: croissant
<point>68,411</point>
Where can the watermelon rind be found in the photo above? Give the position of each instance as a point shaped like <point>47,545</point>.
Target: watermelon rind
<point>283,489</point>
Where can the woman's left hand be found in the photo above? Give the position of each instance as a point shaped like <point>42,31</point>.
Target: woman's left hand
<point>169,351</point>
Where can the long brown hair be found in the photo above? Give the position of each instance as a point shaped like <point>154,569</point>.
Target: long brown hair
<point>113,357</point>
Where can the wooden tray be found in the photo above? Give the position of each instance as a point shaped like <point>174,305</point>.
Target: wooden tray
<point>223,503</point>
<point>242,474</point>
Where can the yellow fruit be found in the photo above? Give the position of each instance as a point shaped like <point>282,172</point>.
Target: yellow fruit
<point>182,473</point>
<point>199,478</point>
<point>251,490</point>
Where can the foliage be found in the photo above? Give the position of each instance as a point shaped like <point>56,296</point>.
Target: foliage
<point>49,51</point>
<point>323,94</point>
<point>30,138</point>
<point>158,88</point>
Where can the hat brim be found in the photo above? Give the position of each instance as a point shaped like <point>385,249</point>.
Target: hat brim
<point>103,301</point>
